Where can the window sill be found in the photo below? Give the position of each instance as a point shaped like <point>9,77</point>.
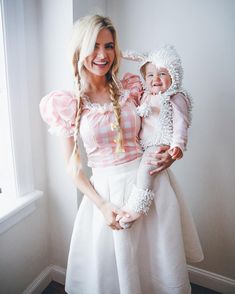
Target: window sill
<point>13,211</point>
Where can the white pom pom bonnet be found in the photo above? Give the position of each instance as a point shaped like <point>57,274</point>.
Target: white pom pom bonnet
<point>165,56</point>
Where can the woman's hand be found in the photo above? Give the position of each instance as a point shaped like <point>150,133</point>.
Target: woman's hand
<point>126,222</point>
<point>161,159</point>
<point>176,153</point>
<point>110,212</point>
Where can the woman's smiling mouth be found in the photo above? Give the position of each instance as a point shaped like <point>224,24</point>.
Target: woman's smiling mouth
<point>100,63</point>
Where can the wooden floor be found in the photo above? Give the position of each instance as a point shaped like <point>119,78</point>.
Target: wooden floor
<point>56,288</point>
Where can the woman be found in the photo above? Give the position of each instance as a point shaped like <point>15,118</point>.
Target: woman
<point>150,256</point>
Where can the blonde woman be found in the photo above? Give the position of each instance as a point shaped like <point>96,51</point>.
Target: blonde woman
<point>103,257</point>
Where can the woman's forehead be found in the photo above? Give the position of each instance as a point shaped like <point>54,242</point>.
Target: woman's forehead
<point>104,36</point>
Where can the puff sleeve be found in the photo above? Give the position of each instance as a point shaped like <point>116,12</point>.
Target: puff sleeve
<point>58,110</point>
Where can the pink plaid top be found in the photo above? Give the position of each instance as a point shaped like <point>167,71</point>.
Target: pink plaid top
<point>58,109</point>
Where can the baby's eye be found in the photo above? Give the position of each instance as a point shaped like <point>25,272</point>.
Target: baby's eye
<point>161,74</point>
<point>149,75</point>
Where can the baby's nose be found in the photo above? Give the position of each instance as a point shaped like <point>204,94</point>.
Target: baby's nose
<point>156,78</point>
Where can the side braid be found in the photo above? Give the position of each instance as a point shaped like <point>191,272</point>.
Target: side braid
<point>75,160</point>
<point>117,112</point>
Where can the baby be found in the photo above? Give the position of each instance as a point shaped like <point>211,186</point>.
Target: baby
<point>165,110</point>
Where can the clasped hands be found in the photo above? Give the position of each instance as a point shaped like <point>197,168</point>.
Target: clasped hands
<point>110,213</point>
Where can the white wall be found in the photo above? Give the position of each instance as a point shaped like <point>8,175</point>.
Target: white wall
<point>24,251</point>
<point>24,247</point>
<point>82,8</point>
<point>203,33</point>
<point>55,23</point>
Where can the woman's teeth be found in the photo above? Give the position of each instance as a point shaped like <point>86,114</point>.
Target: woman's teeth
<point>100,62</point>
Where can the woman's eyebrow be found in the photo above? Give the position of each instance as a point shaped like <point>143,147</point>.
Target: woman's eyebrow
<point>109,43</point>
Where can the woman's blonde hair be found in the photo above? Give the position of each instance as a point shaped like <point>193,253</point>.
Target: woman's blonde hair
<point>85,32</point>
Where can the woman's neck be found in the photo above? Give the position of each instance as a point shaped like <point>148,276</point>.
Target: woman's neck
<point>96,83</point>
<point>97,89</point>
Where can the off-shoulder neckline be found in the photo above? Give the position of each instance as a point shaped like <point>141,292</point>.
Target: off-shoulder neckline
<point>108,106</point>
<point>87,99</point>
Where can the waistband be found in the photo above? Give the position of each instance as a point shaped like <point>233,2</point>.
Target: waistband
<point>114,169</point>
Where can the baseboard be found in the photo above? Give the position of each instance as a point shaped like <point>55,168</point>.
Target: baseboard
<point>50,273</point>
<point>211,280</point>
<point>197,276</point>
<point>40,283</point>
<point>58,274</point>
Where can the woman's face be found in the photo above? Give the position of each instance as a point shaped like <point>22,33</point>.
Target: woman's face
<point>157,79</point>
<point>101,60</point>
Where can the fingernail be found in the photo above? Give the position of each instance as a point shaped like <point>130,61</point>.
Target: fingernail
<point>127,215</point>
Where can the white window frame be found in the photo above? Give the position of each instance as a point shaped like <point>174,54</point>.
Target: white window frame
<point>7,174</point>
<point>21,201</point>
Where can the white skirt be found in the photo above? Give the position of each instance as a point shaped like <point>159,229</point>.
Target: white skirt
<point>148,258</point>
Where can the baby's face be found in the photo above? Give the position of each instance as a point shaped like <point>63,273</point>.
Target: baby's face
<point>157,79</point>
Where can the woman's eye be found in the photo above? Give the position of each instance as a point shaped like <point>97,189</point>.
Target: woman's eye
<point>96,46</point>
<point>109,46</point>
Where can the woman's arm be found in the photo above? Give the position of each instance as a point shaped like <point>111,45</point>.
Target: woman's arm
<point>80,179</point>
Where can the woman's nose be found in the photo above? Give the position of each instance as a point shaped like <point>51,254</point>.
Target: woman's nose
<point>101,53</point>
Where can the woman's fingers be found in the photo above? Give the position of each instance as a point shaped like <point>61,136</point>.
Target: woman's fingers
<point>159,162</point>
<point>154,155</point>
<point>120,212</point>
<point>156,170</point>
<point>115,226</point>
<point>162,148</point>
<point>125,225</point>
<point>161,166</point>
<point>118,217</point>
<point>118,226</point>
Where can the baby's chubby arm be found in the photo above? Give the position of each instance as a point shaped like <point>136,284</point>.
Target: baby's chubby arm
<point>181,122</point>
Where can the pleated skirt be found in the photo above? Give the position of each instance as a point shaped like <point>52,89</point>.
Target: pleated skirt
<point>148,258</point>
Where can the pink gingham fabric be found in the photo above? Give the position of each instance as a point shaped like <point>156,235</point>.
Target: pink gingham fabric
<point>95,126</point>
<point>58,110</point>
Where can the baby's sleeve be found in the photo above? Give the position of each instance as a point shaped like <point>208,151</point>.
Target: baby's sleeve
<point>181,121</point>
<point>58,110</point>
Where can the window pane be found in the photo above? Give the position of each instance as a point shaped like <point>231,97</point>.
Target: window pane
<point>7,183</point>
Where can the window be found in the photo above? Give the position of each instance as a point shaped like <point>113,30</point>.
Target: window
<point>17,198</point>
<point>7,183</point>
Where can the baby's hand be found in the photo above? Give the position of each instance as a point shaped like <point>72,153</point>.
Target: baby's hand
<point>126,222</point>
<point>176,153</point>
<point>133,83</point>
